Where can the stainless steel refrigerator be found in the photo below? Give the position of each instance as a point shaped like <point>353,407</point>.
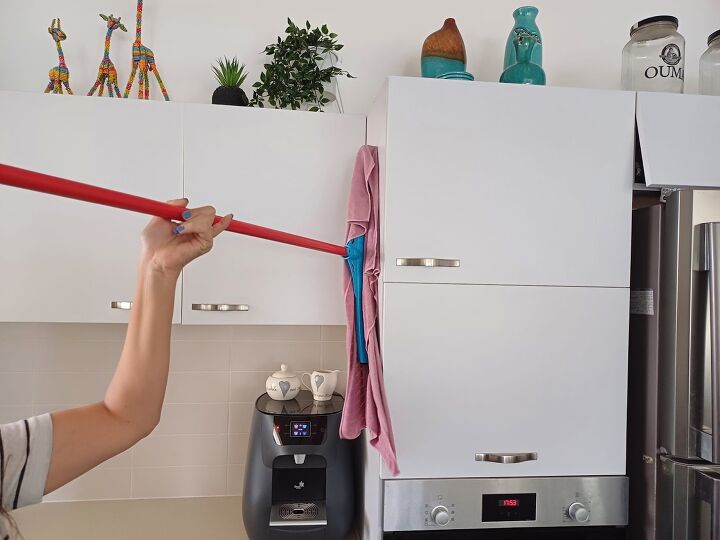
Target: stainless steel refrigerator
<point>674,390</point>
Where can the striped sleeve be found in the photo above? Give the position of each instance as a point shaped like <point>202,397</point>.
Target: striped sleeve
<point>25,450</point>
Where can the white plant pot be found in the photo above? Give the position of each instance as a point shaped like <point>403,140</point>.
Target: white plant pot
<point>330,89</point>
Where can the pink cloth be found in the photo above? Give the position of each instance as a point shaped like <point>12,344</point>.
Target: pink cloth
<point>365,402</point>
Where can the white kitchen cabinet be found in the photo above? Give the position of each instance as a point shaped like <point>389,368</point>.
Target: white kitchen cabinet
<point>678,138</point>
<point>63,260</point>
<point>521,185</point>
<point>280,169</point>
<point>495,369</point>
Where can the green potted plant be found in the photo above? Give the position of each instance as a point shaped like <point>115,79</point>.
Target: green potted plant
<point>302,66</point>
<point>230,75</point>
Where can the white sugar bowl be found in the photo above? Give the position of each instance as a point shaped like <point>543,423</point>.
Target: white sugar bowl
<point>283,385</point>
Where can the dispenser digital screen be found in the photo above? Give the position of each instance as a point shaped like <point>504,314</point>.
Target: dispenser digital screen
<point>300,429</point>
<point>509,507</point>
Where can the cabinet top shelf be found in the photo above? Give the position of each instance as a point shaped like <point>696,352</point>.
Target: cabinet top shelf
<point>38,97</point>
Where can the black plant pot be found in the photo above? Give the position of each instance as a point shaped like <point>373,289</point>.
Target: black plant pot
<point>228,95</point>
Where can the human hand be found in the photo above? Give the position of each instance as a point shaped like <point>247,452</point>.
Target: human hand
<point>168,247</point>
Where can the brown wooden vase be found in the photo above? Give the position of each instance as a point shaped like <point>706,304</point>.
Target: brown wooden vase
<point>445,43</point>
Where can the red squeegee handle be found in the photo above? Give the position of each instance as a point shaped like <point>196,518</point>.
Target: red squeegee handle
<point>44,183</point>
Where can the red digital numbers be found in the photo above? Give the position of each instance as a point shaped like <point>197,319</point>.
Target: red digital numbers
<point>509,502</point>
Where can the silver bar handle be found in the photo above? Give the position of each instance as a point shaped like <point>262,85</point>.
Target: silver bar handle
<point>709,261</point>
<point>507,458</point>
<point>429,263</point>
<point>121,304</point>
<point>220,307</point>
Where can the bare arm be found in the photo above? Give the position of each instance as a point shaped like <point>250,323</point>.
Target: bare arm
<point>86,436</point>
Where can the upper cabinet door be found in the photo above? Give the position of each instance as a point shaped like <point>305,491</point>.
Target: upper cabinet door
<point>280,169</point>
<point>504,184</point>
<point>679,139</point>
<point>64,260</point>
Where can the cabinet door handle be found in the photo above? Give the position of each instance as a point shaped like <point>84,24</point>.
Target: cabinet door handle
<point>117,304</point>
<point>430,263</point>
<point>507,458</point>
<point>220,307</point>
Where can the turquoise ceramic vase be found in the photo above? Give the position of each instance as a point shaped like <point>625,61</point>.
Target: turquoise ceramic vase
<point>524,71</point>
<point>524,20</point>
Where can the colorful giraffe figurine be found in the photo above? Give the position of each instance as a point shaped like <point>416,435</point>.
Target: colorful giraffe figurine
<point>60,75</point>
<point>144,61</point>
<point>107,74</point>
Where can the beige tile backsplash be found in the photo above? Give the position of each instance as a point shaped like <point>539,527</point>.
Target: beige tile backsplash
<point>199,387</point>
<point>191,481</point>
<point>98,484</point>
<point>194,418</point>
<point>216,373</point>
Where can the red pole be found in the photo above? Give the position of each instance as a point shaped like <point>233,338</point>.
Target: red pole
<point>44,183</point>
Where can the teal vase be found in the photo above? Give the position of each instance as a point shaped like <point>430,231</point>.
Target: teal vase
<point>524,20</point>
<point>524,71</point>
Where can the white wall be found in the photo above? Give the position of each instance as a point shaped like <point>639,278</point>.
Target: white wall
<point>582,39</point>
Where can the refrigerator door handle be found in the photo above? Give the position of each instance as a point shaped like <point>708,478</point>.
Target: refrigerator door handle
<point>709,261</point>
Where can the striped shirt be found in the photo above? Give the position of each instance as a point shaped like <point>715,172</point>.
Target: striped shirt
<point>25,449</point>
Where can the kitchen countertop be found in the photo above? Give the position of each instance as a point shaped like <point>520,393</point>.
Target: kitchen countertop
<point>219,518</point>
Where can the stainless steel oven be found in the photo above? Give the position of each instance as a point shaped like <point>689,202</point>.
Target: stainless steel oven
<point>596,533</point>
<point>558,508</point>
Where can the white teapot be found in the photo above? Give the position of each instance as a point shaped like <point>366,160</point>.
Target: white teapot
<point>283,385</point>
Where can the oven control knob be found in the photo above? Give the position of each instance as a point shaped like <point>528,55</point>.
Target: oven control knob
<point>578,512</point>
<point>440,515</point>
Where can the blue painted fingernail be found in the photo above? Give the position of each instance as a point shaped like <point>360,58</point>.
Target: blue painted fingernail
<point>186,214</point>
<point>178,229</point>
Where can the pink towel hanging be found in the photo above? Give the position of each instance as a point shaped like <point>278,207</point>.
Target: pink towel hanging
<point>365,402</point>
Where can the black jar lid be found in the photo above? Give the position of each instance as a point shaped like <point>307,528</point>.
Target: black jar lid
<point>658,18</point>
<point>713,36</point>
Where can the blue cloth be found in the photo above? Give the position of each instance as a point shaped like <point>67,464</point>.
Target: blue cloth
<point>356,260</point>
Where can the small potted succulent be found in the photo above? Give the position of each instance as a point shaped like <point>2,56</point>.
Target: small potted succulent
<point>230,75</point>
<point>300,70</point>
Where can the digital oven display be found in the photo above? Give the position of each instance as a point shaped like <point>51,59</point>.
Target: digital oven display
<point>509,507</point>
<point>300,429</point>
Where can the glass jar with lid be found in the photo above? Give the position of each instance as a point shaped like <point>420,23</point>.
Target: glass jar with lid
<point>710,67</point>
<point>654,58</point>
